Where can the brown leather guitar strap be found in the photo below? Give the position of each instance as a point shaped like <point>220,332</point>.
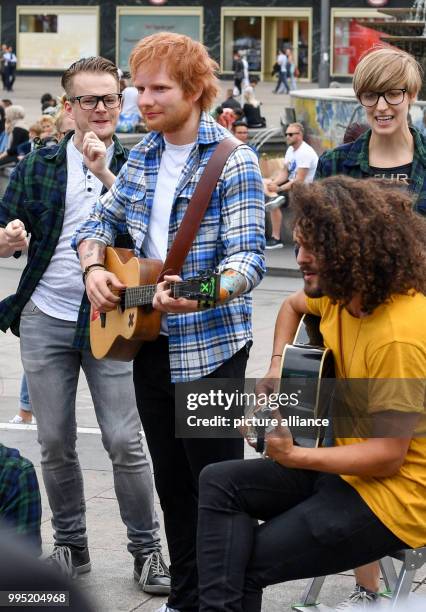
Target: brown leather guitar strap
<point>197,207</point>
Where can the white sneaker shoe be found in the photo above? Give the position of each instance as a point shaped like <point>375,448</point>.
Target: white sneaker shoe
<point>18,420</point>
<point>359,599</point>
<point>165,608</point>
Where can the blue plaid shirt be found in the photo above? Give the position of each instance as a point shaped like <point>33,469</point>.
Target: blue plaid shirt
<point>231,236</point>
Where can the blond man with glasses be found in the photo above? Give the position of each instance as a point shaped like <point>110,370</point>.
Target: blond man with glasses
<point>49,194</point>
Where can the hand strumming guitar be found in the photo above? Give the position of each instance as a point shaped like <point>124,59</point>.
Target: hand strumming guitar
<point>100,288</point>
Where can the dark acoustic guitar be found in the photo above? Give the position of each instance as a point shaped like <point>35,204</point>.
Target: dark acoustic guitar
<point>305,369</point>
<point>119,333</point>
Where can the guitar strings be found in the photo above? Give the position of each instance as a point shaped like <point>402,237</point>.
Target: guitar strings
<point>143,294</point>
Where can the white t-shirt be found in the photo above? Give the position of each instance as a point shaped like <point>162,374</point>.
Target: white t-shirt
<point>282,61</point>
<point>303,157</point>
<point>155,242</point>
<point>60,289</point>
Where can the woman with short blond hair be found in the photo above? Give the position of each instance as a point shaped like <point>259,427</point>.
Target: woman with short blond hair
<point>386,82</point>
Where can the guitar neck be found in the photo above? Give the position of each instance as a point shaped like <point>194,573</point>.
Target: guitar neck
<point>143,295</point>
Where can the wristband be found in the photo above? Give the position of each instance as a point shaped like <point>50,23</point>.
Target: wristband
<point>91,267</point>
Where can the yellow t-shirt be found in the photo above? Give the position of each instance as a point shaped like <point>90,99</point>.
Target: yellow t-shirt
<point>388,344</point>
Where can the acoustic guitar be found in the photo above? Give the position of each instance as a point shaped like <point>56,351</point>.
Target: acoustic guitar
<point>119,333</point>
<point>306,367</point>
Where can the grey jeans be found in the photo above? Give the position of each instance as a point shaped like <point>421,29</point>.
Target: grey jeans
<point>52,367</point>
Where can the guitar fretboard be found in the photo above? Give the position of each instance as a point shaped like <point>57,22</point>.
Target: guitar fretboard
<point>142,295</point>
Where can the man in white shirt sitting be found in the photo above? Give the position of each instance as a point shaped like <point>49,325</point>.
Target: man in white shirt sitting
<point>300,163</point>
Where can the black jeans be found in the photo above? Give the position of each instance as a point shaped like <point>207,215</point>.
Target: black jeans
<point>315,524</point>
<point>178,462</point>
<point>10,72</point>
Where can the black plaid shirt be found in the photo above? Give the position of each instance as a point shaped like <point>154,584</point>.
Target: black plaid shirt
<point>20,504</point>
<point>352,160</point>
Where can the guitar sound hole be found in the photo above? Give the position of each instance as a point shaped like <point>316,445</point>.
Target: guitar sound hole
<point>147,308</point>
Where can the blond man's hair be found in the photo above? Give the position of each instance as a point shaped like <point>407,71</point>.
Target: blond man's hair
<point>187,62</point>
<point>298,126</point>
<point>383,68</point>
<point>96,64</point>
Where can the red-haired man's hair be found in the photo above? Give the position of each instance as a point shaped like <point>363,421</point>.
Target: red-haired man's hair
<point>187,62</point>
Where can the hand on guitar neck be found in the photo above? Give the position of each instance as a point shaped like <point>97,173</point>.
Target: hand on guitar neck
<point>164,302</point>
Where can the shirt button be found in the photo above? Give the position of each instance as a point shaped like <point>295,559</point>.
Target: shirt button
<point>89,189</point>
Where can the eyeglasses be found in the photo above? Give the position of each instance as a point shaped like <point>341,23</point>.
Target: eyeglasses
<point>392,97</point>
<point>91,102</point>
<point>291,133</point>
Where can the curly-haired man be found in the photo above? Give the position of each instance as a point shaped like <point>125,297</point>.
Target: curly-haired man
<point>329,509</point>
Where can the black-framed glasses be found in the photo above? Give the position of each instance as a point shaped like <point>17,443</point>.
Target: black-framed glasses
<point>392,97</point>
<point>91,102</point>
<point>291,133</point>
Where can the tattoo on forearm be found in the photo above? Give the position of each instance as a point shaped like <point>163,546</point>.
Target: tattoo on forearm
<point>232,284</point>
<point>94,249</point>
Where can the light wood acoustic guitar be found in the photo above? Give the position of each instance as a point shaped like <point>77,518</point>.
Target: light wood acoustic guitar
<point>119,333</point>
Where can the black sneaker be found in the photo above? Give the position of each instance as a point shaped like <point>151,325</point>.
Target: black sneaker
<point>152,573</point>
<point>274,243</point>
<point>70,560</point>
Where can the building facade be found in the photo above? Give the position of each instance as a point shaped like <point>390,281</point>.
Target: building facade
<point>50,35</point>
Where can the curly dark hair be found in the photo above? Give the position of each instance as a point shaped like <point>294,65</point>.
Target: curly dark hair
<point>365,236</point>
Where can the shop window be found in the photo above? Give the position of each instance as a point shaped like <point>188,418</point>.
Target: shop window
<point>243,34</point>
<point>303,48</point>
<point>38,23</point>
<point>54,41</point>
<point>284,33</point>
<point>133,27</point>
<point>351,40</point>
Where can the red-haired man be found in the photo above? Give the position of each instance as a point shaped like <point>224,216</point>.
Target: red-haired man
<point>177,84</point>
